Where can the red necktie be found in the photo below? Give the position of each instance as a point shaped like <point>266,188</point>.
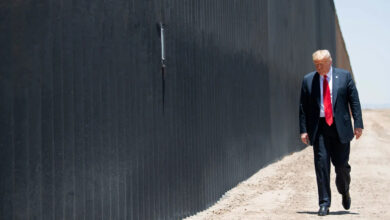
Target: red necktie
<point>327,102</point>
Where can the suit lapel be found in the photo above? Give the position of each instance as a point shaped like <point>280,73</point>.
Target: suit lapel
<point>317,89</point>
<point>335,86</point>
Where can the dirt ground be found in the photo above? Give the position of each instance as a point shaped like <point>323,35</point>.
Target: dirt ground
<point>287,189</point>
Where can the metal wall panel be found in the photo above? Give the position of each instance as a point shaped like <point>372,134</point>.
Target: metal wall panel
<point>92,129</point>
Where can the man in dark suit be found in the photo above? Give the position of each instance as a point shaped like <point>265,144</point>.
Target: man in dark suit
<point>327,96</point>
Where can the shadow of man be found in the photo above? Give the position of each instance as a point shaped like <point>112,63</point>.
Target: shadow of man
<point>330,213</point>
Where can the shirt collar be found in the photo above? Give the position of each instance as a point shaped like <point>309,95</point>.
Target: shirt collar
<point>329,74</point>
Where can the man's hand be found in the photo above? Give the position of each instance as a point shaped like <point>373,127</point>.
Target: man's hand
<point>305,138</point>
<point>358,132</point>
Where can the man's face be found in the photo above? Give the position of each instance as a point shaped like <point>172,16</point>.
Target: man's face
<point>323,66</point>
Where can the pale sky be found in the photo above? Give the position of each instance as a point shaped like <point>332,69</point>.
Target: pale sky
<point>366,29</point>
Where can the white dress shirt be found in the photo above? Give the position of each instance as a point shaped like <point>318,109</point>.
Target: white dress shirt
<point>329,78</point>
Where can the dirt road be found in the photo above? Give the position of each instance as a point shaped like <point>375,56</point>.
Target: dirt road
<point>287,189</point>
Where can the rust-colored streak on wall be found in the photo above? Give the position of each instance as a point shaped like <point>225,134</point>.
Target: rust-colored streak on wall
<point>342,57</point>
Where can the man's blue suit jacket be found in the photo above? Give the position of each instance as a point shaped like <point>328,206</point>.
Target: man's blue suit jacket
<point>344,94</point>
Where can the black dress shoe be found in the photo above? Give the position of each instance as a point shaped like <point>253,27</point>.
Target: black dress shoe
<point>324,210</point>
<point>346,201</point>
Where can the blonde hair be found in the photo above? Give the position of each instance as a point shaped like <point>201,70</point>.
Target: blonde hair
<point>322,54</point>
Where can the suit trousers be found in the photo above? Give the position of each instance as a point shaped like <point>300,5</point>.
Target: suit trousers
<point>327,147</point>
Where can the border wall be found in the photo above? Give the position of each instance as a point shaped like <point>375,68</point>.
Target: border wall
<point>92,126</point>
